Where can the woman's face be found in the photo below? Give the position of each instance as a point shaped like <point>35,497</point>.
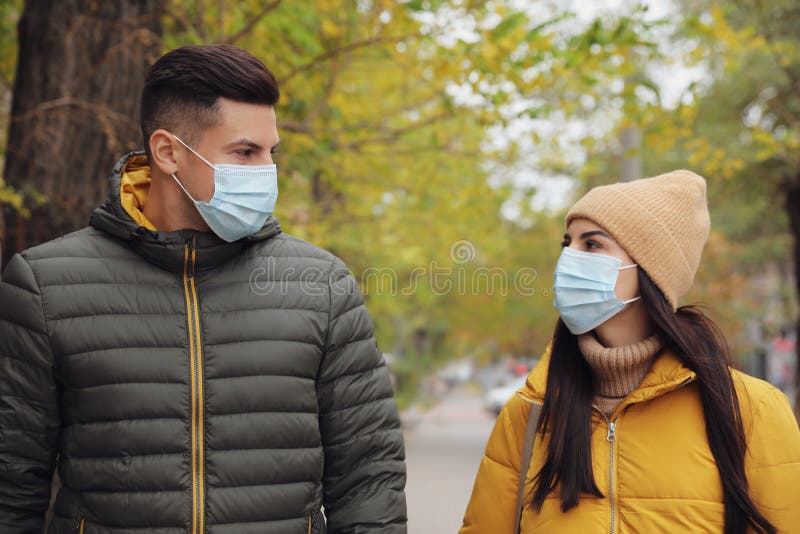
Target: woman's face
<point>585,236</point>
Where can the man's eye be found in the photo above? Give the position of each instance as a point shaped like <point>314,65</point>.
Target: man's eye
<point>245,153</point>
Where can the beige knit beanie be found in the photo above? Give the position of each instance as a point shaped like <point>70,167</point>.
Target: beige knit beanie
<point>661,222</point>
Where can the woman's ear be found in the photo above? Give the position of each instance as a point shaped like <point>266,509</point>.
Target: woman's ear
<point>161,152</point>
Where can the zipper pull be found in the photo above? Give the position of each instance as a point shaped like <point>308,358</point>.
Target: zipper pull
<point>190,259</point>
<point>612,431</point>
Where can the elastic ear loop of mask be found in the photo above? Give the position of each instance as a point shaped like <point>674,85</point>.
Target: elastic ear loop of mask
<point>630,267</point>
<point>199,156</point>
<point>181,186</point>
<point>195,153</point>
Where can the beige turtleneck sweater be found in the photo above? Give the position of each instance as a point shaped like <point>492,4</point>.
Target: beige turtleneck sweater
<point>617,370</point>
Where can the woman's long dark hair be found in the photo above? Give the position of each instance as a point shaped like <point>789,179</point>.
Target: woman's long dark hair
<point>567,412</point>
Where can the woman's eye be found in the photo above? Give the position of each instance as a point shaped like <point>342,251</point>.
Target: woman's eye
<point>564,244</point>
<point>592,244</point>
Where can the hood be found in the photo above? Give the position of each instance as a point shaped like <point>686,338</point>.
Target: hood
<point>121,216</point>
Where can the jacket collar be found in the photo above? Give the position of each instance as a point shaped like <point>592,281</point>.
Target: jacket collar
<point>166,249</point>
<point>666,374</point>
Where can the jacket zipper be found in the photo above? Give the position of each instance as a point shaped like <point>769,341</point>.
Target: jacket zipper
<point>310,521</point>
<point>195,365</point>
<point>611,437</point>
<point>80,524</point>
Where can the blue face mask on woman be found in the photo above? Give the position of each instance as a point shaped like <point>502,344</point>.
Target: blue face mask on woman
<point>244,197</point>
<point>584,289</point>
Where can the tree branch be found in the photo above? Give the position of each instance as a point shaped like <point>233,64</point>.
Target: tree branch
<point>392,135</point>
<point>269,6</point>
<point>183,23</point>
<point>406,108</point>
<point>770,39</point>
<point>200,25</point>
<point>294,126</point>
<point>784,112</point>
<point>221,22</point>
<point>68,101</point>
<point>330,54</point>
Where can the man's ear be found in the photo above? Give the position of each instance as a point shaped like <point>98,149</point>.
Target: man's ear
<point>161,152</point>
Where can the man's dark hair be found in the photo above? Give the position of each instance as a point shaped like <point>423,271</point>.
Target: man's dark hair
<point>181,90</point>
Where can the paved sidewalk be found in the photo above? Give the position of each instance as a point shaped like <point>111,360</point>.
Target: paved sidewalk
<point>443,449</point>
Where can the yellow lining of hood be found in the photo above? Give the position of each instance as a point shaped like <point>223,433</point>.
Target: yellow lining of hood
<point>134,188</point>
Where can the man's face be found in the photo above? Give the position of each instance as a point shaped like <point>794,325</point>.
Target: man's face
<point>245,134</point>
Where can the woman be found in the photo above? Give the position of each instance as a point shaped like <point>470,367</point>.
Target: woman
<point>644,425</point>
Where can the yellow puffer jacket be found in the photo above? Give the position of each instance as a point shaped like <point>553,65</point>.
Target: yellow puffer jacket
<point>657,473</point>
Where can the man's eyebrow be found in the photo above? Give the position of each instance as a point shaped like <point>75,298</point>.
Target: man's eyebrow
<point>245,142</point>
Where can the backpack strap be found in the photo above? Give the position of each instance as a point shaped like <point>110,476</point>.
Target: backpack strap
<point>527,451</point>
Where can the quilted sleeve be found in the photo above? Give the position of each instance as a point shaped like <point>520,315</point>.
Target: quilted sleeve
<point>364,477</point>
<point>773,461</point>
<point>29,414</point>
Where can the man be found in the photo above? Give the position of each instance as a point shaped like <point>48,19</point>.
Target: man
<point>187,366</point>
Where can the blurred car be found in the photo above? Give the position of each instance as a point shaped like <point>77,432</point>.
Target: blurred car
<point>457,372</point>
<point>496,398</point>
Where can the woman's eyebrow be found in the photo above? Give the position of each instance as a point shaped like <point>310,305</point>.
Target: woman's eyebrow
<point>601,233</point>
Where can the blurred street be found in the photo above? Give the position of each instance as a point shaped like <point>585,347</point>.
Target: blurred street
<point>443,449</point>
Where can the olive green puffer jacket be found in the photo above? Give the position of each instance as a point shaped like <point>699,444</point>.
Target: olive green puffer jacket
<point>182,384</point>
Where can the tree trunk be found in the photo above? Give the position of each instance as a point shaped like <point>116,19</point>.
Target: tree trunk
<point>2,238</point>
<point>79,77</point>
<point>793,208</point>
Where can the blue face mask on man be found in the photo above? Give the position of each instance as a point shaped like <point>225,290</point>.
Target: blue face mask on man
<point>244,197</point>
<point>584,289</point>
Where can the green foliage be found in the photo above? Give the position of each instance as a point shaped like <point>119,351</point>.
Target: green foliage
<point>740,128</point>
<point>385,165</point>
<point>387,117</point>
<point>10,12</point>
